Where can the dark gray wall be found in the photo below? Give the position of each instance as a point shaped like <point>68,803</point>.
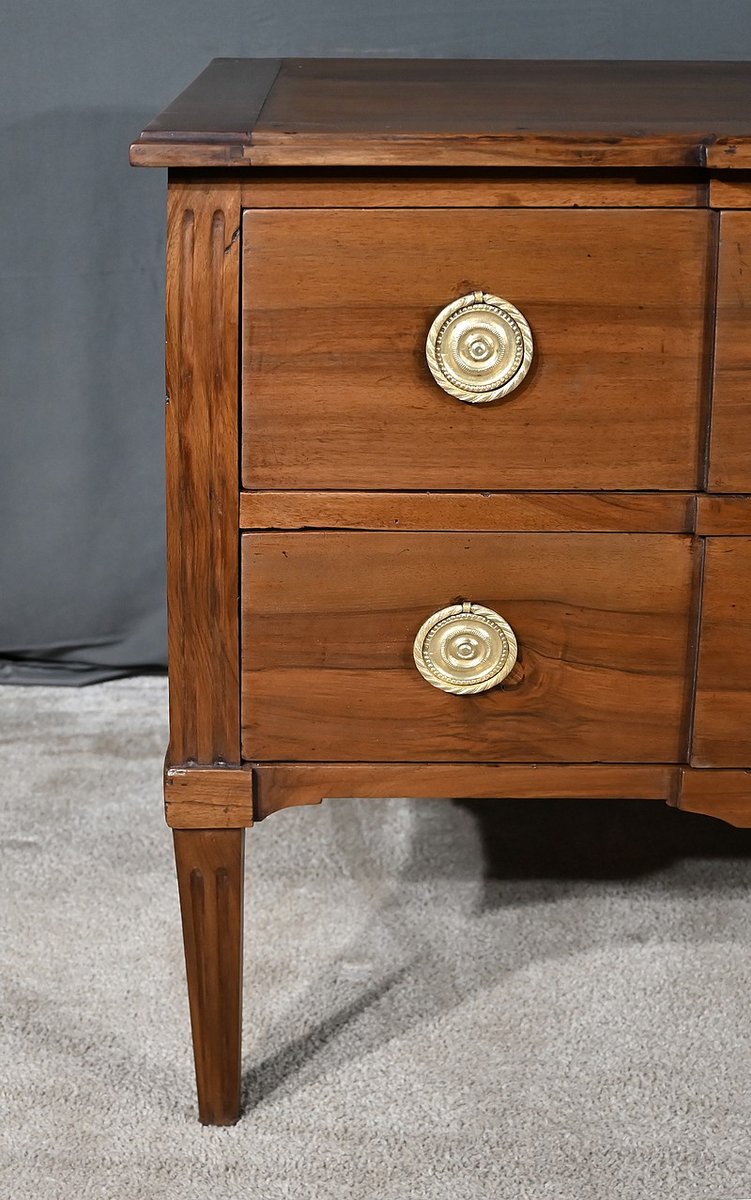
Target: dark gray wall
<point>81,267</point>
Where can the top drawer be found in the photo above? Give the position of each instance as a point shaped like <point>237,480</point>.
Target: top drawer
<point>337,305</point>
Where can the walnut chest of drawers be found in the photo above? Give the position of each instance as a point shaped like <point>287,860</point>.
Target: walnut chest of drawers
<point>459,452</point>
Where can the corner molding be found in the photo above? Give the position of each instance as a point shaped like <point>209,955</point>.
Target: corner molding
<point>725,794</point>
<point>208,797</point>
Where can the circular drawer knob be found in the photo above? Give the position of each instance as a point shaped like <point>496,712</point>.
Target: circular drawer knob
<point>465,648</point>
<point>479,348</point>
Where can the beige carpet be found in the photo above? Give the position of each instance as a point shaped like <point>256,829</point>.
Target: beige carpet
<point>512,1001</point>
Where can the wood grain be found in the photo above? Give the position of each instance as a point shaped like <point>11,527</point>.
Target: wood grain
<point>729,516</point>
<point>730,190</point>
<point>464,188</point>
<point>337,393</point>
<point>183,155</point>
<point>627,512</point>
<point>284,785</point>
<point>208,797</point>
<point>722,794</point>
<point>730,442</point>
<point>579,150</point>
<point>722,718</point>
<point>329,619</point>
<point>729,153</point>
<point>210,879</point>
<point>202,470</point>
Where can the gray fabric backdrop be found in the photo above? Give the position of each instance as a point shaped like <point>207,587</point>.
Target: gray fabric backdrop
<point>81,268</point>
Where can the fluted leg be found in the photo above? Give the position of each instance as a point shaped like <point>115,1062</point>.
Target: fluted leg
<point>210,878</point>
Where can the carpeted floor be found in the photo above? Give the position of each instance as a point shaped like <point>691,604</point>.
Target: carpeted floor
<point>506,1001</point>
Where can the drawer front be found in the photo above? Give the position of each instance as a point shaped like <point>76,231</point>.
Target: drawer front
<point>329,621</point>
<point>337,306</point>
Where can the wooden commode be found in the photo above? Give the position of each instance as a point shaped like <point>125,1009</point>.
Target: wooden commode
<point>458,450</point>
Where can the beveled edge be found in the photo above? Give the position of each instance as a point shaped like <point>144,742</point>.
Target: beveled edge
<point>217,121</point>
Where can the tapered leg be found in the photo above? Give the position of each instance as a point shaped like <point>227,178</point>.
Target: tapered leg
<point>210,879</point>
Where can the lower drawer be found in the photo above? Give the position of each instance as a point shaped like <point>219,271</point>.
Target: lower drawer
<point>602,621</point>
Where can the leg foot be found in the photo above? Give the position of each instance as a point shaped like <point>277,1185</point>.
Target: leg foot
<point>210,878</point>
<point>717,792</point>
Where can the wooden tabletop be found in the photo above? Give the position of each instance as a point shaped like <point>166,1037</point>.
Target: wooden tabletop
<point>451,112</point>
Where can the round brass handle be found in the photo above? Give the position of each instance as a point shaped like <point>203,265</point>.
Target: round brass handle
<point>479,348</point>
<point>465,649</point>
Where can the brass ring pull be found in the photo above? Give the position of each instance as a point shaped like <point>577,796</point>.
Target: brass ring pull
<point>465,648</point>
<point>479,348</point>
